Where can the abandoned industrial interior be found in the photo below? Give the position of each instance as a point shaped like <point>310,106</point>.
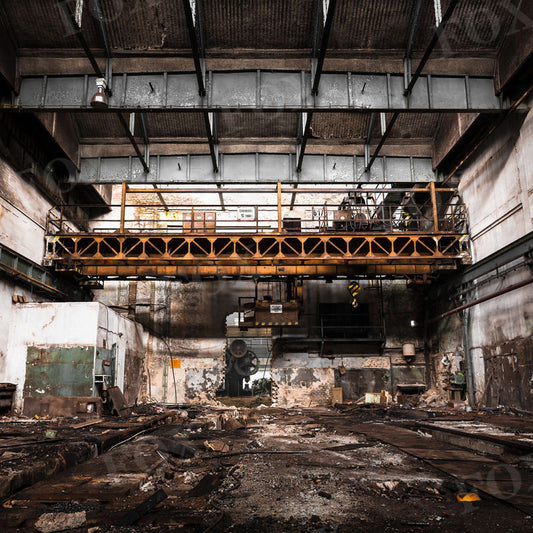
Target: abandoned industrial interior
<point>266,265</point>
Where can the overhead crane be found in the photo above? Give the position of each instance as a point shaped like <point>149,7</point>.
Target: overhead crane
<point>331,232</point>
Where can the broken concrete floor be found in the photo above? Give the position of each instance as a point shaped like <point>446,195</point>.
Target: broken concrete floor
<point>271,469</point>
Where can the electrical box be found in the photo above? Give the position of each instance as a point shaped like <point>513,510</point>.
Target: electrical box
<point>199,222</point>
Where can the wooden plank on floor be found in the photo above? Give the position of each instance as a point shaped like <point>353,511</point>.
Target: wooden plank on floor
<point>473,469</point>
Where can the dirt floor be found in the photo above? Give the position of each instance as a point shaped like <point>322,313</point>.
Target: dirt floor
<point>279,470</point>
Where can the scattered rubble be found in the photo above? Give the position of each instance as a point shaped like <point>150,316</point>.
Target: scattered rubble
<point>274,470</point>
<point>51,522</point>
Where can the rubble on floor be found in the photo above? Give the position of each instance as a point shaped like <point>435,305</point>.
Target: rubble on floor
<point>357,468</point>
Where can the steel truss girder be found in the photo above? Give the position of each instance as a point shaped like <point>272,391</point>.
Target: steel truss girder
<point>262,91</point>
<point>254,168</point>
<point>413,252</point>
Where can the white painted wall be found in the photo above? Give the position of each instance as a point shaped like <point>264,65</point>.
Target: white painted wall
<point>65,324</point>
<point>45,324</point>
<point>125,333</point>
<point>497,187</point>
<point>22,227</point>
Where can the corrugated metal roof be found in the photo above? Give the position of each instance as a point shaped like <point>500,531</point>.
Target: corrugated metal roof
<point>477,25</point>
<point>259,24</point>
<point>257,125</point>
<point>415,125</point>
<point>175,124</point>
<point>355,126</point>
<point>146,25</point>
<point>352,126</point>
<point>340,125</point>
<point>98,125</point>
<point>102,125</point>
<point>42,24</point>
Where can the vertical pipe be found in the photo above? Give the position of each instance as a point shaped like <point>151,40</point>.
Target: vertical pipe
<point>279,206</point>
<point>465,315</point>
<point>434,206</point>
<point>123,206</point>
<point>427,361</point>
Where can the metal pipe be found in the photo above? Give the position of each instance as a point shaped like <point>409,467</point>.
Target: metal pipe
<point>468,360</point>
<point>279,206</point>
<point>434,206</point>
<point>253,190</point>
<point>481,300</point>
<point>123,205</point>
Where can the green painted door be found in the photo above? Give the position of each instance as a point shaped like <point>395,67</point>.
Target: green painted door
<point>59,371</point>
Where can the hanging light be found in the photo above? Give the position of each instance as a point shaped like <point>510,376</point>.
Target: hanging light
<point>99,99</point>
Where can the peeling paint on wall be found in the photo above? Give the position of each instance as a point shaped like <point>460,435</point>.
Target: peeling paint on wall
<point>302,387</point>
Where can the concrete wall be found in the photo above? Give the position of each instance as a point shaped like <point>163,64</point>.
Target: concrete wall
<point>186,322</point>
<point>22,222</point>
<point>71,324</point>
<point>497,187</point>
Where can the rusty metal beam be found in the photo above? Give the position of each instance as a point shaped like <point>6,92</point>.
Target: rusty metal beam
<point>211,272</point>
<point>256,253</point>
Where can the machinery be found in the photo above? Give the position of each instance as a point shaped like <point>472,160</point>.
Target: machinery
<point>241,359</point>
<point>353,213</point>
<point>276,303</point>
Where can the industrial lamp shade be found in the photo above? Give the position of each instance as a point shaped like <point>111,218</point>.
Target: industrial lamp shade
<point>99,99</point>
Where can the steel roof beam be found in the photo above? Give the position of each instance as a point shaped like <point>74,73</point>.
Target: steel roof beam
<point>261,91</point>
<point>433,42</point>
<point>193,16</point>
<point>411,40</point>
<point>255,168</point>
<point>324,22</point>
<point>101,26</point>
<point>441,25</point>
<point>90,56</point>
<point>382,141</point>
